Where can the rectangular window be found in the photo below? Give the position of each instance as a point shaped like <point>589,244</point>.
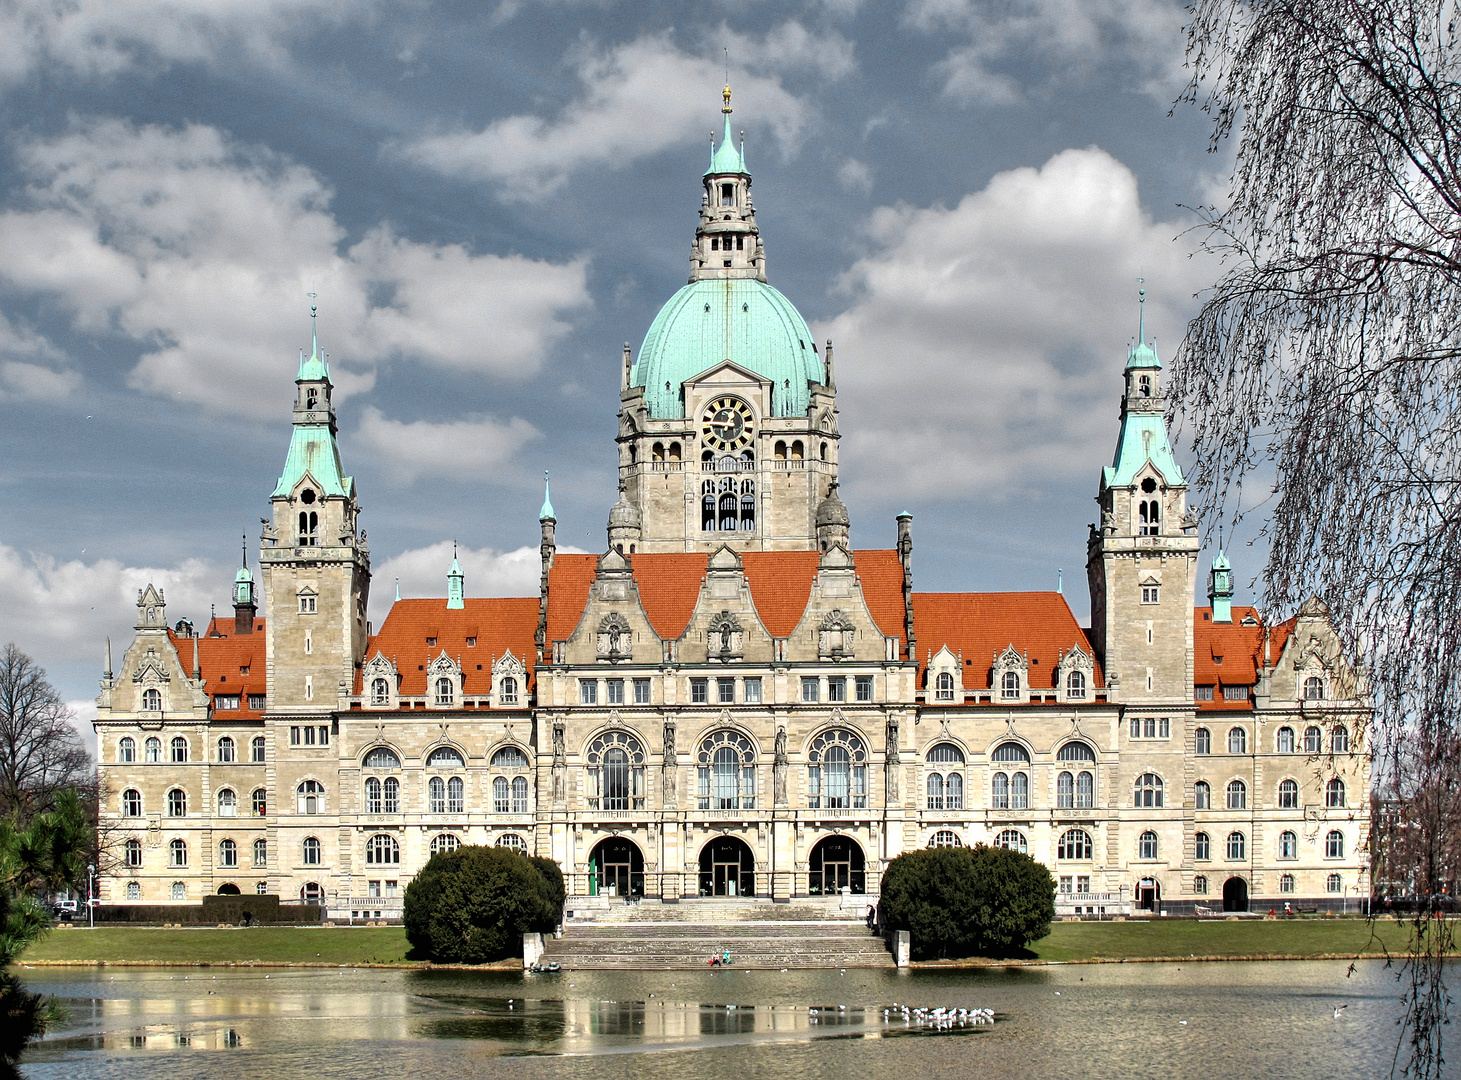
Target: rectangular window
<point>753,691</point>
<point>324,734</point>
<point>258,702</point>
<point>810,687</point>
<point>1148,727</point>
<point>1082,883</point>
<point>814,787</point>
<point>1067,883</point>
<point>390,889</point>
<point>864,688</point>
<point>372,888</point>
<point>1164,728</point>
<point>306,604</point>
<point>294,736</point>
<point>836,689</point>
<point>641,691</point>
<point>616,691</point>
<point>1235,693</point>
<point>588,692</point>
<point>725,691</point>
<point>1204,693</point>
<point>309,736</point>
<point>699,691</point>
<point>1149,594</point>
<point>226,702</point>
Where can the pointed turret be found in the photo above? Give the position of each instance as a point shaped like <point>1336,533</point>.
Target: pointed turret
<point>727,241</point>
<point>548,522</point>
<point>625,521</point>
<point>1220,588</point>
<point>245,606</point>
<point>455,583</point>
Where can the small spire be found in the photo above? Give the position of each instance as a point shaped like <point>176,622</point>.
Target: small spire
<point>108,671</point>
<point>546,514</point>
<point>245,539</point>
<point>1060,580</point>
<point>314,338</point>
<point>398,590</point>
<point>1141,307</point>
<point>455,582</point>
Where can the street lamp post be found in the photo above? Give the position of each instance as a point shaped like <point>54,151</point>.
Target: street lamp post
<point>90,896</point>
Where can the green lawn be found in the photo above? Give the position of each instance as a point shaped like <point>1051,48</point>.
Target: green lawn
<point>1250,937</point>
<point>261,944</point>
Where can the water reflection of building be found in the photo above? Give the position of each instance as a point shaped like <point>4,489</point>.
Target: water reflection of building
<point>731,700</point>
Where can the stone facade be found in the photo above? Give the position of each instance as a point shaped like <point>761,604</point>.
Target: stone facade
<point>730,699</point>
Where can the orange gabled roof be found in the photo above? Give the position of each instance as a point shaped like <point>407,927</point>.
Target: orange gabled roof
<point>223,656</point>
<point>568,585</point>
<point>669,585</point>
<point>781,583</point>
<point>981,625</point>
<point>1231,654</point>
<point>881,575</point>
<point>499,626</point>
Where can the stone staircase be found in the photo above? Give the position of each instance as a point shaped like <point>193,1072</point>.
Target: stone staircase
<point>658,937</point>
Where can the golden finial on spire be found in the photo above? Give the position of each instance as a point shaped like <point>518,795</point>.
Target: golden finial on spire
<point>726,94</point>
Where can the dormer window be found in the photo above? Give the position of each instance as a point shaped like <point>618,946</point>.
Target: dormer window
<point>944,688</point>
<point>1009,685</point>
<point>380,692</point>
<point>152,700</point>
<point>445,693</point>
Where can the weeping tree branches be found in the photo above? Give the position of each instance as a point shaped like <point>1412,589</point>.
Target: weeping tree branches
<point>1329,357</point>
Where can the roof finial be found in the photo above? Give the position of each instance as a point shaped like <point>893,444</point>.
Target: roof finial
<point>1141,306</point>
<point>246,549</point>
<point>314,339</point>
<point>726,108</point>
<point>547,512</point>
<point>398,590</point>
<point>1060,580</point>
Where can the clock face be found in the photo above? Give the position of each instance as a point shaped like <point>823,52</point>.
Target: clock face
<point>727,424</point>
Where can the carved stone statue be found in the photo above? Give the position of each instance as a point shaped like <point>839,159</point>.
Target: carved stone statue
<point>779,772</point>
<point>560,764</point>
<point>669,742</point>
<point>560,754</point>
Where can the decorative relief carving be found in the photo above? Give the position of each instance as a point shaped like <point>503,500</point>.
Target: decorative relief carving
<point>835,636</point>
<point>614,637</point>
<point>725,638</point>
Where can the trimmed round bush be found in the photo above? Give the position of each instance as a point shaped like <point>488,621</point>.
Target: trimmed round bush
<point>473,905</point>
<point>979,901</point>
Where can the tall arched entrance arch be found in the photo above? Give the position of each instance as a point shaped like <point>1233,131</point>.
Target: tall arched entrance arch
<point>836,863</point>
<point>727,868</point>
<point>1235,894</point>
<point>616,868</point>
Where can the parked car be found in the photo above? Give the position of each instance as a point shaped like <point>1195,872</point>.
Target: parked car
<point>65,910</point>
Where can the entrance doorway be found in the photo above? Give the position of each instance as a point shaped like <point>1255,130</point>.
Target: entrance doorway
<point>1148,894</point>
<point>1235,894</point>
<point>616,868</point>
<point>727,868</point>
<point>228,888</point>
<point>836,864</point>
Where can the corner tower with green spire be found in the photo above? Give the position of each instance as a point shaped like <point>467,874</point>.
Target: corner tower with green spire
<point>314,563</point>
<point>728,420</point>
<point>1141,559</point>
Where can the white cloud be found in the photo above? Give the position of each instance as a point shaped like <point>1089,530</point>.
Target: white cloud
<point>637,100</point>
<point>466,448</point>
<point>198,249</point>
<point>855,175</point>
<point>104,37</point>
<point>789,49</point>
<point>1142,37</point>
<point>980,335</point>
<point>489,572</point>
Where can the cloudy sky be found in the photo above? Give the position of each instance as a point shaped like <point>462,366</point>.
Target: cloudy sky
<point>491,197</point>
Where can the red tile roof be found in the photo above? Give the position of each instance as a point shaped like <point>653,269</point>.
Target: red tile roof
<point>1230,654</point>
<point>498,625</point>
<point>222,658</point>
<point>980,625</point>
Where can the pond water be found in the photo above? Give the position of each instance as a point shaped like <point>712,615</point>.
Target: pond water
<point>1089,1021</point>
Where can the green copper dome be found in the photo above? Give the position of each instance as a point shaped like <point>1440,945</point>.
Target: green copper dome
<point>741,320</point>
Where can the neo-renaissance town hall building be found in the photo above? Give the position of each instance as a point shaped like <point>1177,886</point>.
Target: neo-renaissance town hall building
<point>730,700</point>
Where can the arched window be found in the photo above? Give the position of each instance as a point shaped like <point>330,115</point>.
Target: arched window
<point>1149,517</point>
<point>310,851</point>
<point>1076,751</point>
<point>1313,688</point>
<point>227,853</point>
<point>1237,740</point>
<point>1288,795</point>
<point>616,772</point>
<point>1075,685</point>
<point>312,892</point>
<point>456,802</point>
<point>1148,790</point>
<point>1284,741</point>
<point>507,691</point>
<point>728,508</point>
<point>1237,845</point>
<point>1313,740</point>
<point>1288,845</point>
<point>935,791</point>
<point>261,852</point>
<point>945,838</point>
<point>311,795</point>
<point>707,502</point>
<point>1009,684</point>
<point>177,803</point>
<point>382,757</point>
<point>513,842</point>
<point>131,803</point>
<point>179,890</point>
<point>501,796</point>
<point>1334,793</point>
<point>445,757</point>
<point>944,753</point>
<point>436,792</point>
<point>152,700</point>
<point>1199,884</point>
<point>1202,795</point>
<point>372,795</point>
<point>1147,845</point>
<point>520,795</point>
<point>1075,844</point>
<point>256,749</point>
<point>999,791</point>
<point>177,853</point>
<point>954,791</point>
<point>1085,791</point>
<point>1010,751</point>
<point>1340,740</point>
<point>309,526</point>
<point>445,692</point>
<point>1286,883</point>
<point>944,687</point>
<point>179,754</point>
<point>1065,791</point>
<point>837,771</point>
<point>127,751</point>
<point>225,750</point>
<point>260,802</point>
<point>227,803</point>
<point>380,692</point>
<point>444,842</point>
<point>1202,847</point>
<point>1014,840</point>
<point>748,505</point>
<point>133,853</point>
<point>134,890</point>
<point>391,795</point>
<point>1019,791</point>
<point>1237,795</point>
<point>1333,883</point>
<point>1202,741</point>
<point>382,850</point>
<point>510,757</point>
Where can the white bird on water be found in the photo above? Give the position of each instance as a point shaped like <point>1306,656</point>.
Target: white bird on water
<point>1339,1010</point>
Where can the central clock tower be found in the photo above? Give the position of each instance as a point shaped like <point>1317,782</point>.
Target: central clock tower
<point>728,416</point>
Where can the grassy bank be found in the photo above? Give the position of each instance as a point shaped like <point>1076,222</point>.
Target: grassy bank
<point>1067,943</point>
